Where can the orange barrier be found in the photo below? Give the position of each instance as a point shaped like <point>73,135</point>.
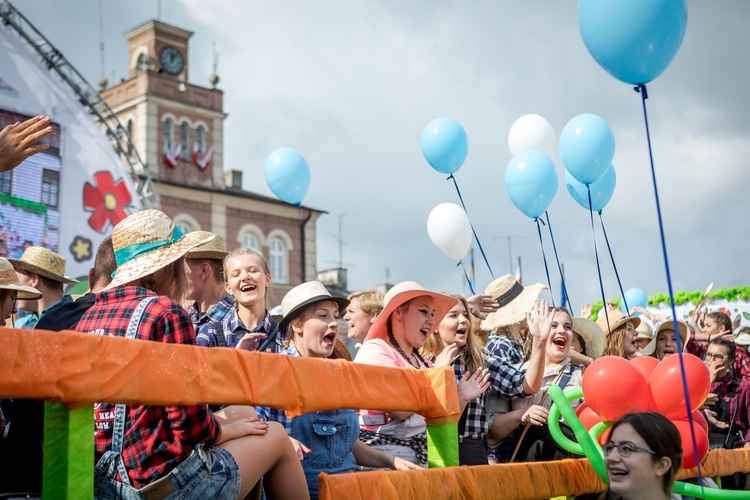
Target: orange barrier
<point>79,369</point>
<point>519,481</point>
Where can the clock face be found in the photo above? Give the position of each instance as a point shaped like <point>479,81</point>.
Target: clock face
<point>171,60</point>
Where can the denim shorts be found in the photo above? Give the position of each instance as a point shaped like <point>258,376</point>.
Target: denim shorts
<point>205,473</point>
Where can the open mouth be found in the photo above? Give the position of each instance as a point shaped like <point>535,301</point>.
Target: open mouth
<point>329,339</point>
<point>617,472</point>
<point>560,342</point>
<point>425,332</point>
<point>248,287</point>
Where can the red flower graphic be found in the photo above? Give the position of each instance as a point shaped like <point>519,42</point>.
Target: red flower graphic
<point>106,199</point>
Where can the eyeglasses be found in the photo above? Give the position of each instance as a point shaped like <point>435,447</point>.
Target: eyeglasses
<point>717,357</point>
<point>625,449</point>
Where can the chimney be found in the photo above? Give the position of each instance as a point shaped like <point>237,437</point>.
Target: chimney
<point>233,178</point>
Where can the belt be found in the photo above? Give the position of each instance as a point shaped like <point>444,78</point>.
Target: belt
<point>373,420</point>
<point>470,440</point>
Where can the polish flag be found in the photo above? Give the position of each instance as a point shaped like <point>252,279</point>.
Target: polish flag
<point>203,159</point>
<point>171,157</point>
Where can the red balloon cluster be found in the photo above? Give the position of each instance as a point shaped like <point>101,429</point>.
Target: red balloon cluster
<point>614,386</point>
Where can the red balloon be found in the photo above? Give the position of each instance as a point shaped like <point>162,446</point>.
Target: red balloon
<point>613,386</point>
<point>701,438</point>
<point>667,389</point>
<point>699,419</point>
<point>646,364</point>
<point>588,416</point>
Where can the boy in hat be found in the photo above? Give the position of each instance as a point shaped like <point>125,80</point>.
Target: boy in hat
<point>44,270</point>
<point>205,283</point>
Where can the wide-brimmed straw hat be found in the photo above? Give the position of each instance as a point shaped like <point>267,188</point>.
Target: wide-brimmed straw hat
<point>592,335</point>
<point>301,296</point>
<point>213,249</point>
<point>616,319</point>
<point>645,330</point>
<point>9,281</point>
<point>147,241</point>
<point>667,325</point>
<point>742,339</point>
<point>401,294</point>
<point>515,301</point>
<point>44,262</point>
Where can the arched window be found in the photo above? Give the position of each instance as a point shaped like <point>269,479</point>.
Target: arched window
<point>186,223</point>
<point>278,261</point>
<point>200,139</point>
<point>185,141</point>
<point>250,236</point>
<point>169,134</point>
<point>250,241</point>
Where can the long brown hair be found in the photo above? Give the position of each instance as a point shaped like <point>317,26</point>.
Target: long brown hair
<point>172,284</point>
<point>471,351</point>
<point>614,344</point>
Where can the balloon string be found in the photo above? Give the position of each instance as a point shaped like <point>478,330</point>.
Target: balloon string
<point>598,267</point>
<point>476,238</point>
<point>546,269</point>
<point>557,259</point>
<point>641,89</point>
<point>612,257</point>
<point>471,287</point>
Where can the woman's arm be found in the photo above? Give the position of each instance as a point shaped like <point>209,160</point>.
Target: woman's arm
<point>367,456</point>
<point>506,423</point>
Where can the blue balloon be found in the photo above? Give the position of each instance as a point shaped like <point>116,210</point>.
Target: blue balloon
<point>587,147</point>
<point>601,190</point>
<point>633,40</point>
<point>445,145</point>
<point>288,175</point>
<point>531,182</point>
<point>634,297</point>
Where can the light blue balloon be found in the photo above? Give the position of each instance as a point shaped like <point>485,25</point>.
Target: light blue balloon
<point>288,175</point>
<point>634,297</point>
<point>587,146</point>
<point>445,145</point>
<point>633,40</point>
<point>601,190</point>
<point>531,182</point>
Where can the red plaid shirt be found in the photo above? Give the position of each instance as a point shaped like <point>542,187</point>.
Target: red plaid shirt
<point>737,394</point>
<point>741,361</point>
<point>156,439</point>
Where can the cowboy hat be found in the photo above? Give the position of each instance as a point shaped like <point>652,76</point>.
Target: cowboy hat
<point>147,241</point>
<point>616,319</point>
<point>44,262</point>
<point>645,330</point>
<point>401,294</point>
<point>592,335</point>
<point>213,249</point>
<point>667,325</point>
<point>9,281</point>
<point>301,296</point>
<point>515,301</point>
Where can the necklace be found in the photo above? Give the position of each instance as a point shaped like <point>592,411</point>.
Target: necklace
<point>398,349</point>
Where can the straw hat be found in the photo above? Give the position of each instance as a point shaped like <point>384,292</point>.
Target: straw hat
<point>592,335</point>
<point>742,339</point>
<point>147,241</point>
<point>213,249</point>
<point>9,281</point>
<point>616,319</point>
<point>301,296</point>
<point>645,330</point>
<point>515,301</point>
<point>401,294</point>
<point>667,325</point>
<point>39,260</point>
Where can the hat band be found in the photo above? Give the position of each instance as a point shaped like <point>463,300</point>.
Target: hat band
<point>511,294</point>
<point>130,252</point>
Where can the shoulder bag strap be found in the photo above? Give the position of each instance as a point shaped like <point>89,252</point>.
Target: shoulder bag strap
<point>220,337</point>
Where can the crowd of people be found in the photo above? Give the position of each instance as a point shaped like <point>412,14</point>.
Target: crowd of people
<point>506,347</point>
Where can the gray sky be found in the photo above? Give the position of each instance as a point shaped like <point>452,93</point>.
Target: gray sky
<point>351,85</point>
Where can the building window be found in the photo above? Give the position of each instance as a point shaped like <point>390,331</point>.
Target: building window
<point>250,236</point>
<point>278,261</point>
<point>6,182</point>
<point>50,187</point>
<point>169,134</point>
<point>200,139</point>
<point>185,141</point>
<point>250,241</point>
<point>186,223</point>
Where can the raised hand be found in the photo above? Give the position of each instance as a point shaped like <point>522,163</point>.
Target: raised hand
<point>446,356</point>
<point>539,320</point>
<point>586,310</point>
<point>472,385</point>
<point>482,305</point>
<point>17,141</point>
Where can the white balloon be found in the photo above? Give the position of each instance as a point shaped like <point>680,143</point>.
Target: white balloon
<point>449,230</point>
<point>532,132</point>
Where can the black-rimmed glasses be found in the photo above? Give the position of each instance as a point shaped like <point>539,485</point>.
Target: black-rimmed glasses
<point>625,449</point>
<point>717,357</point>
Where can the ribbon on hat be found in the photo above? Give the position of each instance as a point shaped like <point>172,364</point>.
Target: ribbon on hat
<point>130,252</point>
<point>511,294</point>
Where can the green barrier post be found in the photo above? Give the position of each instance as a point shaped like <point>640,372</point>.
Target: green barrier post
<point>68,452</point>
<point>442,445</point>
